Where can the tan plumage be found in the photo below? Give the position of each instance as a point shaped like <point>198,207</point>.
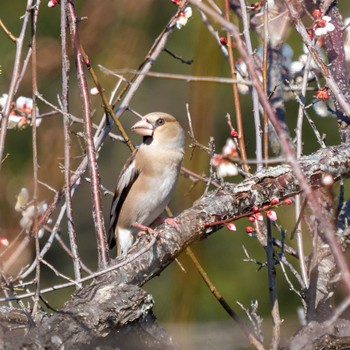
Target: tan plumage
<point>148,178</point>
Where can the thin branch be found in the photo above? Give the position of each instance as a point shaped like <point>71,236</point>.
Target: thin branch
<point>97,211</point>
<point>271,271</point>
<point>265,79</point>
<point>178,57</point>
<point>130,258</point>
<point>237,103</point>
<point>303,111</point>
<point>7,32</point>
<point>67,142</point>
<point>106,104</point>
<point>34,18</point>
<point>172,76</point>
<point>249,53</point>
<point>57,273</point>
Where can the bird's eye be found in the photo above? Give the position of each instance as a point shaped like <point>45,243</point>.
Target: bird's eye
<point>160,121</point>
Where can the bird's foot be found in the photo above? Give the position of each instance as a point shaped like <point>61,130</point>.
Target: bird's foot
<point>169,221</point>
<point>143,230</point>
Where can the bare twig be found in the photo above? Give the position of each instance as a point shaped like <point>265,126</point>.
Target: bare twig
<point>249,53</point>
<point>237,103</point>
<point>34,17</point>
<point>67,142</point>
<point>276,329</point>
<point>91,150</point>
<point>7,32</point>
<point>59,274</point>
<point>186,78</point>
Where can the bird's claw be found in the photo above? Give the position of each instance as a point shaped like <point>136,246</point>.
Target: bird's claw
<point>144,230</point>
<point>169,221</point>
<point>173,223</point>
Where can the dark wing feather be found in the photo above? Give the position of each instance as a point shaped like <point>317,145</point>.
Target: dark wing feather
<point>126,179</point>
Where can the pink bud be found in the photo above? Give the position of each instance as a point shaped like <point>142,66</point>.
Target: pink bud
<point>274,201</point>
<point>52,3</point>
<point>251,218</point>
<point>234,133</point>
<point>321,23</point>
<point>255,209</point>
<point>249,229</point>
<point>259,217</point>
<point>287,201</point>
<point>223,41</point>
<point>271,214</point>
<point>317,13</point>
<point>216,160</point>
<point>87,62</point>
<point>231,226</point>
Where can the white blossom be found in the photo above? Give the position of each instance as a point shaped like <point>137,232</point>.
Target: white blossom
<point>226,168</point>
<point>324,26</point>
<point>242,73</point>
<point>323,108</point>
<point>25,103</point>
<point>22,199</point>
<point>183,17</point>
<point>29,211</point>
<point>230,149</point>
<point>21,112</point>
<point>3,100</point>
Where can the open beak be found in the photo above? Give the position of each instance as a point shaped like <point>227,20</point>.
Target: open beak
<point>143,127</point>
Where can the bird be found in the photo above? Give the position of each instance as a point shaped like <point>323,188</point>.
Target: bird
<point>148,178</point>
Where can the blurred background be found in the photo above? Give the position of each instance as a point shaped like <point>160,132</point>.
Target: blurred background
<point>118,35</point>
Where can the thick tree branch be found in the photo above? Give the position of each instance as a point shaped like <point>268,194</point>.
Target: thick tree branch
<point>151,254</point>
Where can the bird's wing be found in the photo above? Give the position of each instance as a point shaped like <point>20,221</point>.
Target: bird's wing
<point>127,178</point>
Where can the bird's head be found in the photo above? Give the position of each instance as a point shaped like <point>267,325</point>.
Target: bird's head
<point>162,128</point>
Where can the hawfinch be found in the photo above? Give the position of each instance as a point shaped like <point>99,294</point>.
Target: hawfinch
<point>148,178</point>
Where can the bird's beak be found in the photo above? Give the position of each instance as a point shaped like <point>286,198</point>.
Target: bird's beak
<point>143,127</point>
